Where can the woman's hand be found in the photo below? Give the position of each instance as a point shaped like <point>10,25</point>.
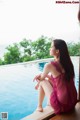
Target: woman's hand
<point>48,77</point>
<point>45,72</point>
<point>37,77</point>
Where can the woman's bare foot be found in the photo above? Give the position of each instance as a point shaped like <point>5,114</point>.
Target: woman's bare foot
<point>39,108</point>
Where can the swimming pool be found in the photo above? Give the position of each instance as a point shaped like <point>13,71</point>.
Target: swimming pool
<point>17,94</point>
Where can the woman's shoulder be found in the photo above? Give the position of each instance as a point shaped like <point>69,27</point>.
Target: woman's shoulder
<point>50,64</point>
<point>58,66</point>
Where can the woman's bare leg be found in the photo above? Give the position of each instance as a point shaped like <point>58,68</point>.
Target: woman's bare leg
<point>45,88</point>
<point>40,98</point>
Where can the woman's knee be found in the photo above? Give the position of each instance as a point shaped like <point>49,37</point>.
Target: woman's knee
<point>46,84</point>
<point>43,82</point>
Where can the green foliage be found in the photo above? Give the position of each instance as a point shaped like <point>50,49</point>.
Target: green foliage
<point>74,49</point>
<point>1,62</point>
<point>13,54</point>
<point>27,50</point>
<point>41,47</point>
<point>26,45</point>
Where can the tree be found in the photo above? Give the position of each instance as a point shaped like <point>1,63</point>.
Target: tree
<point>41,47</point>
<point>13,54</point>
<point>74,49</point>
<point>26,50</point>
<point>1,62</point>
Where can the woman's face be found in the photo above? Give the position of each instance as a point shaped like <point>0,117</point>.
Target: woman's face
<point>53,50</point>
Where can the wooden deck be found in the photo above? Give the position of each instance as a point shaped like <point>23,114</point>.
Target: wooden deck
<point>73,115</point>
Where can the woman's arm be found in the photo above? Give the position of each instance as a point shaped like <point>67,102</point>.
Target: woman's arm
<point>49,77</point>
<point>45,72</point>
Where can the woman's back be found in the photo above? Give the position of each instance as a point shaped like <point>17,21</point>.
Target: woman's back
<point>64,90</point>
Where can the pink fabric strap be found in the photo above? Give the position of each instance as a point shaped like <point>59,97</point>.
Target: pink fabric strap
<point>57,66</point>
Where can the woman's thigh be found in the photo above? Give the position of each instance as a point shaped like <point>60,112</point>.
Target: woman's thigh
<point>47,87</point>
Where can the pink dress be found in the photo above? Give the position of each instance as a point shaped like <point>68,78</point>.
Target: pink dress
<point>64,95</point>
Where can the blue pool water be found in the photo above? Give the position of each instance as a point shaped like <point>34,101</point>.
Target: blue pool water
<point>17,94</point>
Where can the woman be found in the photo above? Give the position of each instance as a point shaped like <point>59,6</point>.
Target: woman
<point>59,88</point>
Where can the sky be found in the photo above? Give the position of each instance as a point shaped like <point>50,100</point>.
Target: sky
<point>30,19</point>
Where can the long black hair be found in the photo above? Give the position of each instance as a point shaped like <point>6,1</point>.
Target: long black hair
<point>65,59</point>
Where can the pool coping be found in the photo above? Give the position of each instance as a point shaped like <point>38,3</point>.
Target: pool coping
<point>47,113</point>
<point>33,61</point>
